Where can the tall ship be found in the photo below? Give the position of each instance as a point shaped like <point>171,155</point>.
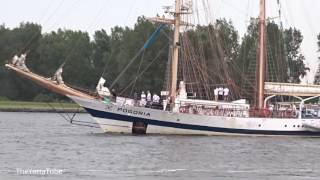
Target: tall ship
<point>180,112</point>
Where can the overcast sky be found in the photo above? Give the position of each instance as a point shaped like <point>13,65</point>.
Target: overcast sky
<point>91,15</point>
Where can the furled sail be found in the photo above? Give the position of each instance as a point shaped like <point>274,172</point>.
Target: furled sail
<point>101,89</point>
<point>288,89</point>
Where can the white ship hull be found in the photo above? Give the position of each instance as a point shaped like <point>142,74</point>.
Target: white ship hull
<point>120,119</point>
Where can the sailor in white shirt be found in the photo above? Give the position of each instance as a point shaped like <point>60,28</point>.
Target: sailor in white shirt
<point>15,60</point>
<point>226,94</point>
<point>220,93</point>
<point>20,62</point>
<point>149,98</point>
<point>58,76</point>
<point>155,99</point>
<point>143,101</point>
<point>215,91</point>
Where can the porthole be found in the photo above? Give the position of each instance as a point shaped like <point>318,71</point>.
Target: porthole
<point>285,126</point>
<point>298,126</point>
<point>294,125</point>
<point>302,126</point>
<point>259,125</point>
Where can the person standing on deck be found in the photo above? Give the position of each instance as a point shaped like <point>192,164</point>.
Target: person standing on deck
<point>165,103</point>
<point>215,91</point>
<point>114,95</point>
<point>143,101</point>
<point>226,94</point>
<point>220,93</point>
<point>135,98</point>
<point>149,98</point>
<point>155,99</point>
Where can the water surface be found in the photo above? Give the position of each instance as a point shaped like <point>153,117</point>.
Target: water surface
<point>45,140</point>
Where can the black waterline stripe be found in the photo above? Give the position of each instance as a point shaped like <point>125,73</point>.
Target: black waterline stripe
<point>120,117</point>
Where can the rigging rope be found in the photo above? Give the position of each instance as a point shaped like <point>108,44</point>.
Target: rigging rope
<point>151,39</point>
<point>147,67</point>
<point>136,78</point>
<point>35,35</point>
<point>71,119</point>
<point>93,22</point>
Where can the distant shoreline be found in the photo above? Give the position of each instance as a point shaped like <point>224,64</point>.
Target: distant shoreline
<point>51,107</point>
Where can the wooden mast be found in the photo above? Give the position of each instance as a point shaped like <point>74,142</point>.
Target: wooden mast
<point>261,58</point>
<point>175,52</point>
<point>177,23</point>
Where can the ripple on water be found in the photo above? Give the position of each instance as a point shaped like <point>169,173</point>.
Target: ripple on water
<point>44,140</point>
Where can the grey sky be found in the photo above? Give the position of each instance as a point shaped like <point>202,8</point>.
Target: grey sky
<point>91,15</point>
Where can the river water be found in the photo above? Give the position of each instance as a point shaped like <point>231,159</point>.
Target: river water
<point>45,146</point>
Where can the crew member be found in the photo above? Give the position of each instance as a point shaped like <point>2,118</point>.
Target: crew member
<point>216,94</point>
<point>22,62</point>
<point>114,94</point>
<point>58,76</point>
<point>155,99</point>
<point>165,103</point>
<point>135,98</point>
<point>143,101</point>
<point>149,99</point>
<point>15,60</point>
<point>226,94</point>
<point>220,93</point>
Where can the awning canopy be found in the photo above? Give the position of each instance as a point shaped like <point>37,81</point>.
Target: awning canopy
<point>288,89</point>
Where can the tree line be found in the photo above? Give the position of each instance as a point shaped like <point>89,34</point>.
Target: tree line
<point>317,75</point>
<point>107,54</point>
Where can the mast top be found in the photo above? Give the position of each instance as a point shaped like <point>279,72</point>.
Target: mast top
<point>179,10</point>
<point>185,8</point>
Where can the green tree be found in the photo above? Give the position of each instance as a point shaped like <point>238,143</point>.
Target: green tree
<point>25,38</point>
<point>317,75</point>
<point>297,68</point>
<point>208,53</point>
<point>101,51</point>
<point>285,61</point>
<point>215,48</point>
<point>125,44</point>
<point>72,48</point>
<point>319,42</point>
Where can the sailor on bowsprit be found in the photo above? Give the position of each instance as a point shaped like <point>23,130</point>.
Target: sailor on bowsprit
<point>15,60</point>
<point>58,76</point>
<point>20,62</point>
